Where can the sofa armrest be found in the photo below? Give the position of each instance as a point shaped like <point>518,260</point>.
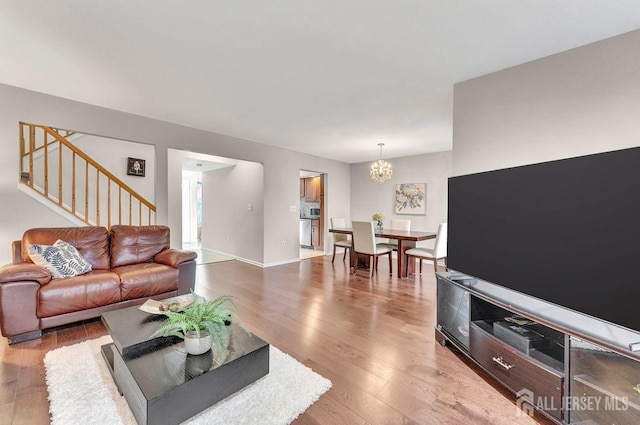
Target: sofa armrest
<point>186,277</point>
<point>174,257</point>
<point>19,285</point>
<point>21,272</point>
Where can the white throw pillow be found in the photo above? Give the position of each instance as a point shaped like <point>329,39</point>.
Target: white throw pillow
<point>61,259</point>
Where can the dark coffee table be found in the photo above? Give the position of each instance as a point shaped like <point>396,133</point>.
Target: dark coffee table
<point>165,385</point>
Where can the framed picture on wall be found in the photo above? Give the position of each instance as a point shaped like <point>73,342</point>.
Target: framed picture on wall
<point>135,167</point>
<point>411,199</point>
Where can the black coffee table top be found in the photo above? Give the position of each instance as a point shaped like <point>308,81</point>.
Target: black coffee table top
<point>162,364</point>
<point>130,329</point>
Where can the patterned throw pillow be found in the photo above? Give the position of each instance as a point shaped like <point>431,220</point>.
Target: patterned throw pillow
<point>61,259</point>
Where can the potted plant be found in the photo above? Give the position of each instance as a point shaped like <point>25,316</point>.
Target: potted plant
<point>202,324</point>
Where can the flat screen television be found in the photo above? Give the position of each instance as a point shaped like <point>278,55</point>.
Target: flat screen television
<point>565,231</point>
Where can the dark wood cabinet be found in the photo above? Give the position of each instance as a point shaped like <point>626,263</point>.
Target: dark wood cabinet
<point>516,370</point>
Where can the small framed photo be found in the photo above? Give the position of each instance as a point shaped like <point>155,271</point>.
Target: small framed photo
<point>411,199</point>
<point>135,167</point>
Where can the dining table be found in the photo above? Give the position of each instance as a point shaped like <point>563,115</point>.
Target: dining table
<point>406,240</point>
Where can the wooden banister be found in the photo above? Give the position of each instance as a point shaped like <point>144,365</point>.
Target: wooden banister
<point>52,136</point>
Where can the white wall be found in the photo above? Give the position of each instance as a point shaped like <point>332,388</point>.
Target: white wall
<point>112,154</point>
<point>368,197</point>
<point>18,212</point>
<point>230,226</point>
<point>190,206</point>
<point>579,102</point>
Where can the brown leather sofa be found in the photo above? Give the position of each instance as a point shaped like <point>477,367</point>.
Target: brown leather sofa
<point>130,264</point>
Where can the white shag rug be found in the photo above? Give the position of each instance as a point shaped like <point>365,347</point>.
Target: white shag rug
<point>82,391</point>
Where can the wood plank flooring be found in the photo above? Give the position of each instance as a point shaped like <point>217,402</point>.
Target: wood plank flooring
<point>373,338</point>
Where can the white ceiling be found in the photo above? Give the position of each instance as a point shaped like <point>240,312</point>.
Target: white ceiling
<point>325,77</point>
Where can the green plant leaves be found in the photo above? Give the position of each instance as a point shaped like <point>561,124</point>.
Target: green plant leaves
<point>202,315</point>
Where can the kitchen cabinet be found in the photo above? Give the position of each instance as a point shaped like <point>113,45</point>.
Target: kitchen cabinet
<point>312,189</point>
<point>315,233</point>
<point>302,187</point>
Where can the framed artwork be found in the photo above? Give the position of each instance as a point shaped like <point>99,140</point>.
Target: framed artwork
<point>411,199</point>
<point>135,167</point>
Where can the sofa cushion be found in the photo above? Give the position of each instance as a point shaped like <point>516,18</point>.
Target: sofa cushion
<point>61,259</point>
<point>91,242</point>
<point>94,289</point>
<point>146,280</point>
<point>137,244</point>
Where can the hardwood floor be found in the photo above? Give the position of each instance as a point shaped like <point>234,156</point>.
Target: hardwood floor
<point>373,338</point>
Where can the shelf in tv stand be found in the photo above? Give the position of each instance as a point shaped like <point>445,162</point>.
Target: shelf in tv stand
<point>596,385</point>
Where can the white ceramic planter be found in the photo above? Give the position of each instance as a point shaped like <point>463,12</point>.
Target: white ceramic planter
<point>197,344</point>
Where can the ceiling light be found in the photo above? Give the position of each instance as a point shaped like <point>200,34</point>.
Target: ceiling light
<point>380,170</point>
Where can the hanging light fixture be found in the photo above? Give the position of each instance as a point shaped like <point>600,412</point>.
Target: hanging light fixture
<point>380,170</point>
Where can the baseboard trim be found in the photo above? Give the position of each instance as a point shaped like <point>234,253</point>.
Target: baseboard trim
<point>281,263</point>
<point>253,262</point>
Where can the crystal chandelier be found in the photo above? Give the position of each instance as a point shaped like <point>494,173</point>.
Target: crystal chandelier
<point>380,170</point>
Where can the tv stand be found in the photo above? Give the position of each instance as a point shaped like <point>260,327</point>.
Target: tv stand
<point>552,359</point>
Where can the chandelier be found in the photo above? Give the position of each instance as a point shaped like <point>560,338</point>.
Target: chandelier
<point>380,170</point>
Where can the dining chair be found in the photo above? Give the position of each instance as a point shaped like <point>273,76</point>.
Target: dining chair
<point>397,224</point>
<point>339,239</point>
<point>364,242</point>
<point>439,250</point>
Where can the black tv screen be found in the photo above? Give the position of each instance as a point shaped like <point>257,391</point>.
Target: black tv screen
<point>565,231</point>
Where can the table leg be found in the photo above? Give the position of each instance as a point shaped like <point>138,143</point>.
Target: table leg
<point>404,245</point>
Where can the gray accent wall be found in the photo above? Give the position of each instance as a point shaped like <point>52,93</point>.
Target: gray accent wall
<point>579,102</point>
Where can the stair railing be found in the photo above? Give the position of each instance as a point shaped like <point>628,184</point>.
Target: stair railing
<point>81,185</point>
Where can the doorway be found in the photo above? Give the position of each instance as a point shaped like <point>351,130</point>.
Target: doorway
<point>196,169</point>
<point>312,214</point>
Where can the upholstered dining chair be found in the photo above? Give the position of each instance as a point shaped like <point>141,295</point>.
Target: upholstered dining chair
<point>339,239</point>
<point>439,250</point>
<point>364,242</point>
<point>397,224</point>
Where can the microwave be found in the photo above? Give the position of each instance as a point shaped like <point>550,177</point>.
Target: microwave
<point>314,211</point>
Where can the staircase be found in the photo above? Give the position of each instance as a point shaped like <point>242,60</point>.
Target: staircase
<point>69,180</point>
